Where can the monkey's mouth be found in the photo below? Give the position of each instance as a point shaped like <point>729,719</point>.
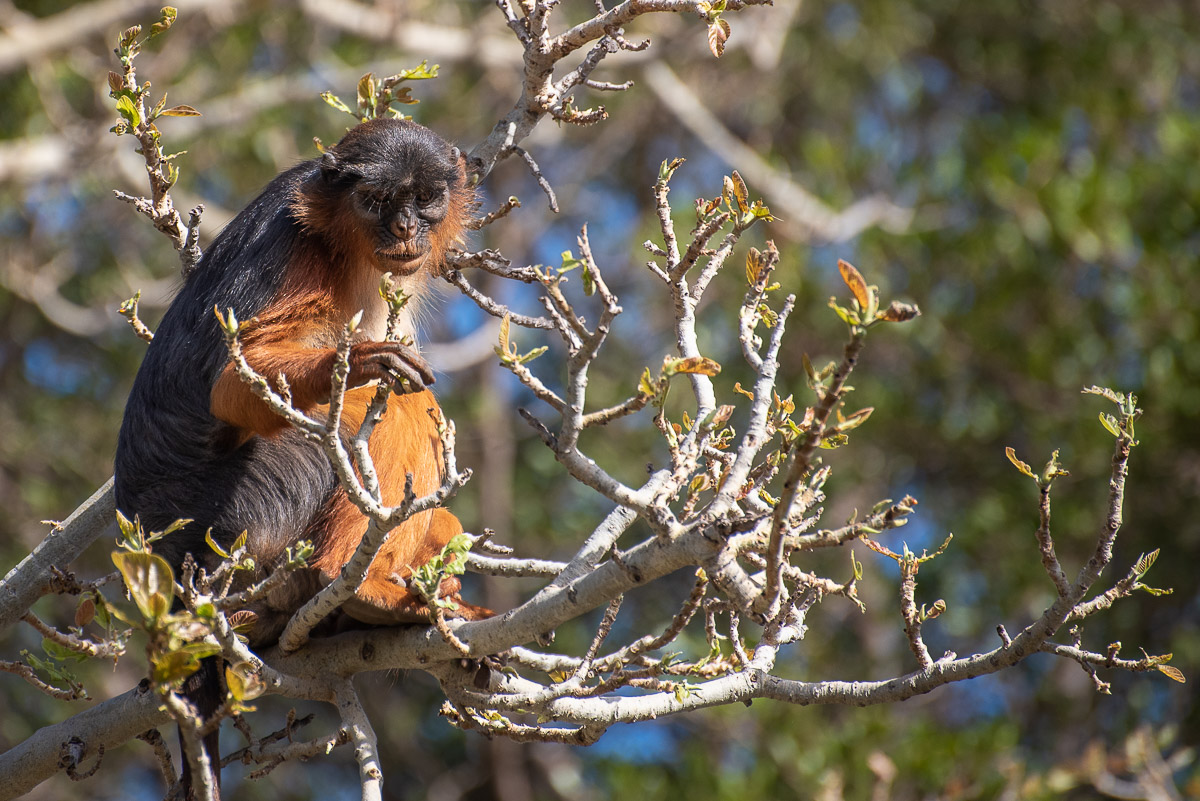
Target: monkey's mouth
<point>401,259</point>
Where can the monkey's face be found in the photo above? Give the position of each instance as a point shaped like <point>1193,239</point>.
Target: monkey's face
<point>392,194</point>
<point>400,217</point>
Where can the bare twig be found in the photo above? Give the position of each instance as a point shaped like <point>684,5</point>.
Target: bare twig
<point>74,692</point>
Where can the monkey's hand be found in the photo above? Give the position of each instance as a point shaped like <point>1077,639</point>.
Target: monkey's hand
<point>393,363</point>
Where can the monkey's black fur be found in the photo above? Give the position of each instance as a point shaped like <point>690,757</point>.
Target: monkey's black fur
<point>174,459</point>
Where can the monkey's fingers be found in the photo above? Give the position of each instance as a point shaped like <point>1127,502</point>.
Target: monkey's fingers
<point>402,375</point>
<point>414,359</point>
<point>400,384</point>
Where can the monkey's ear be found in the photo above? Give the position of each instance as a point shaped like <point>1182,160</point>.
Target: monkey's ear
<point>460,162</point>
<point>329,164</point>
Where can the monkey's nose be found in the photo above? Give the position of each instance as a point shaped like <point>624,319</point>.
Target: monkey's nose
<point>401,228</point>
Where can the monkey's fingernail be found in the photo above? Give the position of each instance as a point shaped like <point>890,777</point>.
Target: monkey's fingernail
<point>400,382</point>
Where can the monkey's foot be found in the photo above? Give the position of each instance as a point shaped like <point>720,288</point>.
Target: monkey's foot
<point>384,603</point>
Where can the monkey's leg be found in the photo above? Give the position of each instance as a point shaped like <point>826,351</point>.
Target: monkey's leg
<point>385,597</point>
<point>405,442</point>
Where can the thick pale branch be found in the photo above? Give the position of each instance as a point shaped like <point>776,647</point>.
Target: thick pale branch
<point>34,576</point>
<point>108,724</point>
<point>366,745</point>
<point>513,568</point>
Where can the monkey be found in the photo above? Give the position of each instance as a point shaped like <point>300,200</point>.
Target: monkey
<point>296,265</point>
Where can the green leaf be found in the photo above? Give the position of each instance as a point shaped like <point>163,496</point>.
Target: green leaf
<point>855,420</point>
<point>1110,424</point>
<point>1053,469</point>
<point>759,211</point>
<point>1145,562</point>
<point>700,365</point>
<point>212,544</point>
<point>668,168</point>
<point>531,355</point>
<point>244,682</point>
<point>833,442</point>
<point>166,20</point>
<point>420,72</point>
<point>858,287</point>
<point>740,193</point>
<point>646,383</point>
<point>129,36</point>
<point>718,35</point>
<point>150,580</point>
<point>128,111</point>
<point>754,266</point>
<point>336,102</point>
<point>879,507</point>
<point>175,526</point>
<point>182,110</point>
<point>939,606</point>
<point>808,368</point>
<point>1173,673</point>
<point>228,324</point>
<point>102,615</point>
<point>299,553</point>
<point>505,322</point>
<point>366,91</point>
<point>61,652</point>
<point>127,528</point>
<point>848,317</point>
<point>233,681</point>
<point>1022,466</point>
<point>173,667</point>
<point>51,669</point>
<point>201,649</point>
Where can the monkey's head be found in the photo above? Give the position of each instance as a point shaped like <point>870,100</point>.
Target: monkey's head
<point>391,192</point>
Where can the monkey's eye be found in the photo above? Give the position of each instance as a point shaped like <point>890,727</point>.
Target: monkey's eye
<point>375,200</point>
<point>428,196</point>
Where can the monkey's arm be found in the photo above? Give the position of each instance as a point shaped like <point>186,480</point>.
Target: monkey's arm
<point>286,340</point>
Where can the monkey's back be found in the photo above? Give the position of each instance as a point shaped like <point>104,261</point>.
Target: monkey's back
<point>176,460</point>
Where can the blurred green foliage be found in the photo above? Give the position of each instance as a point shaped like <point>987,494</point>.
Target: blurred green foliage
<point>1049,151</point>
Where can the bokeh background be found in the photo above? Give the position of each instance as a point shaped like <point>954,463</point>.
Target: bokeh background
<point>1048,152</point>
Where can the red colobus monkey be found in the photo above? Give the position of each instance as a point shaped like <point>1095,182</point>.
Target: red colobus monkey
<point>296,264</point>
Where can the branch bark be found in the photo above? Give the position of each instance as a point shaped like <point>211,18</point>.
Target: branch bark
<point>31,579</point>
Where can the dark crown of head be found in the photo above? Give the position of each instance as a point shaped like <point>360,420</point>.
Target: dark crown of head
<point>378,149</point>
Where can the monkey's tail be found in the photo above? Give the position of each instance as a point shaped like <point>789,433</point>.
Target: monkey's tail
<point>203,690</point>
